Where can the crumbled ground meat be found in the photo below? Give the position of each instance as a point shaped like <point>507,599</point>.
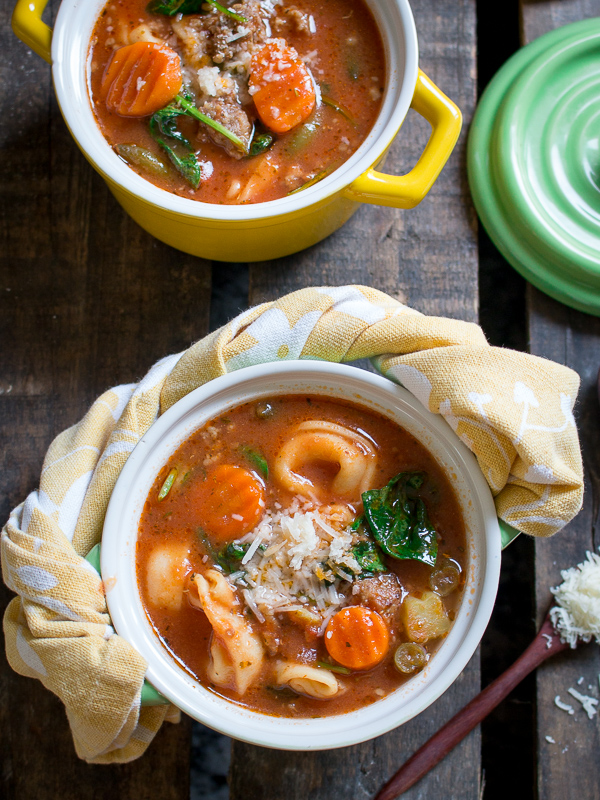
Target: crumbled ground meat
<point>294,20</point>
<point>379,593</point>
<point>269,632</point>
<point>383,594</point>
<point>216,51</point>
<point>278,644</point>
<point>234,118</point>
<point>224,39</point>
<point>304,655</point>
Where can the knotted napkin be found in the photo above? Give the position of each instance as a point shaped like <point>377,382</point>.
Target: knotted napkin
<point>514,411</point>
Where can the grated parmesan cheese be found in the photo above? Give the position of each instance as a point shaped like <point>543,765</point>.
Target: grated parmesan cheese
<point>589,703</point>
<point>305,561</point>
<point>206,169</point>
<point>563,706</point>
<point>214,83</point>
<point>252,549</point>
<point>577,615</point>
<point>241,32</point>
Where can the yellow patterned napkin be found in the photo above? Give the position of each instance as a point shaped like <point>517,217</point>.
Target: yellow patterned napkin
<point>514,411</point>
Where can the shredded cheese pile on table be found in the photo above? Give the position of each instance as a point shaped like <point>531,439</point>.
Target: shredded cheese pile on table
<point>577,615</point>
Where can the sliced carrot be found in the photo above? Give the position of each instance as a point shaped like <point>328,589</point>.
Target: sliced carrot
<point>141,78</point>
<point>281,86</point>
<point>357,637</point>
<point>229,502</point>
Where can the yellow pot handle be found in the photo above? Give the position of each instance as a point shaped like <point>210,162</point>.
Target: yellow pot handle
<point>28,26</point>
<point>407,191</point>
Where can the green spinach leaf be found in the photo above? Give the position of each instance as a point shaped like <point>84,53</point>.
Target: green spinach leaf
<point>171,7</point>
<point>206,543</point>
<point>227,11</point>
<point>397,517</point>
<point>163,128</point>
<point>229,556</point>
<point>261,142</point>
<point>368,556</point>
<point>256,459</point>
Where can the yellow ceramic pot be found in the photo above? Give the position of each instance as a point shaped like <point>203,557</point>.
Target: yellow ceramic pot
<point>263,230</point>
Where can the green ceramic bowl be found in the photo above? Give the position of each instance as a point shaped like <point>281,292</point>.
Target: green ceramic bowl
<point>534,163</point>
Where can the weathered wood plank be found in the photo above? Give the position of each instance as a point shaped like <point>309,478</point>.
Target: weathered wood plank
<point>426,257</point>
<point>569,768</point>
<point>87,300</point>
<point>541,16</point>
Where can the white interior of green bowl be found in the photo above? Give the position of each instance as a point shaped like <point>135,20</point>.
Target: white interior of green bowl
<point>333,380</point>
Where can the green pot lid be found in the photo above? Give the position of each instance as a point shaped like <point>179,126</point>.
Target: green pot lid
<point>534,163</point>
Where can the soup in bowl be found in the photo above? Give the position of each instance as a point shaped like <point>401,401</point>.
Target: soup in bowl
<point>238,229</point>
<point>304,555</point>
<point>240,102</point>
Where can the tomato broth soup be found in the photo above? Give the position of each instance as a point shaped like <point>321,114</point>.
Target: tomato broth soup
<point>301,556</point>
<point>240,102</point>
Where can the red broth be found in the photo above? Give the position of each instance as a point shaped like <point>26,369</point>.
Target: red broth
<point>251,439</point>
<point>336,40</point>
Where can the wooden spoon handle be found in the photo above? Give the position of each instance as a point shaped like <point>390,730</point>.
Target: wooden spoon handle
<point>545,644</point>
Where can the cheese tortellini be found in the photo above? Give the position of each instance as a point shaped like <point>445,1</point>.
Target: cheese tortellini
<point>318,440</point>
<point>237,653</point>
<point>166,569</point>
<point>304,679</point>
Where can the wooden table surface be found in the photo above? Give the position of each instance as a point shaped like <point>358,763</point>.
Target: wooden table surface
<point>89,300</point>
